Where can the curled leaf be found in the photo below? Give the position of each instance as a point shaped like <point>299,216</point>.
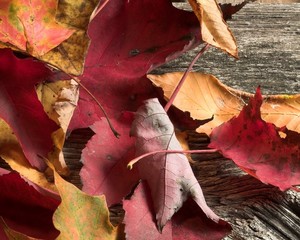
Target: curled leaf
<point>214,29</point>
<point>169,176</point>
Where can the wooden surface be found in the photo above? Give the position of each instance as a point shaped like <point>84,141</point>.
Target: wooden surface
<point>268,38</point>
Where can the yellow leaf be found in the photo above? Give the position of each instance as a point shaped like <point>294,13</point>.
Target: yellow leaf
<point>11,152</point>
<point>205,97</point>
<point>81,216</point>
<point>59,100</point>
<point>69,55</point>
<point>214,29</point>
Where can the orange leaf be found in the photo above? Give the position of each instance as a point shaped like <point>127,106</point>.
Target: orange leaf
<point>214,29</point>
<point>205,97</point>
<point>31,26</point>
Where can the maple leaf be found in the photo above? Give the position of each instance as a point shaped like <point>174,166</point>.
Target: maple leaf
<point>81,216</point>
<point>169,176</point>
<point>69,56</point>
<point>214,29</point>
<point>53,31</point>
<point>188,223</point>
<point>20,107</point>
<point>26,210</point>
<point>205,97</point>
<point>12,153</point>
<point>30,26</point>
<point>105,160</point>
<point>257,147</point>
<point>129,38</point>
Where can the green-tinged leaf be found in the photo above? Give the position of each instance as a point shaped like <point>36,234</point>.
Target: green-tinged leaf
<point>80,216</point>
<point>30,26</point>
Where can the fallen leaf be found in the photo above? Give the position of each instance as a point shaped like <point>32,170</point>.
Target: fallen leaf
<point>12,234</point>
<point>12,153</point>
<point>105,160</point>
<point>69,56</point>
<point>30,26</point>
<point>169,176</point>
<point>188,223</point>
<point>26,210</point>
<point>20,107</point>
<point>81,216</point>
<point>119,57</point>
<point>257,147</point>
<point>214,29</point>
<point>59,100</point>
<point>205,97</point>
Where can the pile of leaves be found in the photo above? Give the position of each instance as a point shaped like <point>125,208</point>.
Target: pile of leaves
<point>51,49</point>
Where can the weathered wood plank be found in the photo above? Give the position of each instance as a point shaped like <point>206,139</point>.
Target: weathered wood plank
<point>269,50</point>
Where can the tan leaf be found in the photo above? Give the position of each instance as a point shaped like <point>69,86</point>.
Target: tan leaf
<point>182,138</point>
<point>204,96</point>
<point>214,29</point>
<point>59,100</point>
<point>11,152</point>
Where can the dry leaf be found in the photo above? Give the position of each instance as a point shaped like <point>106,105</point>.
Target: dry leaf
<point>81,216</point>
<point>257,147</point>
<point>12,153</point>
<point>59,100</point>
<point>205,97</point>
<point>30,26</point>
<point>214,29</point>
<point>170,177</point>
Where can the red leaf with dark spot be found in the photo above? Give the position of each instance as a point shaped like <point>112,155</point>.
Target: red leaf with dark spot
<point>257,147</point>
<point>128,39</point>
<point>105,160</point>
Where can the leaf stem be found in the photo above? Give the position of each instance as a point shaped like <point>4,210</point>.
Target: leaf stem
<point>135,160</point>
<point>77,80</point>
<point>100,7</point>
<point>171,100</point>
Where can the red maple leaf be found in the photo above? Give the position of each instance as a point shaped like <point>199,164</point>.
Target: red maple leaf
<point>20,107</point>
<point>128,39</point>
<point>105,160</point>
<point>257,147</point>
